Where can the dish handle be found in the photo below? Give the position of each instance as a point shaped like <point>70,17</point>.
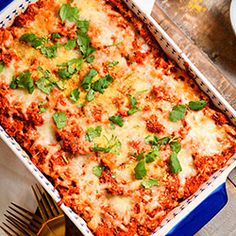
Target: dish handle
<point>203,213</point>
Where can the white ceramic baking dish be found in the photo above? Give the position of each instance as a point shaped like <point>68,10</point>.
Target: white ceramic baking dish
<point>194,212</point>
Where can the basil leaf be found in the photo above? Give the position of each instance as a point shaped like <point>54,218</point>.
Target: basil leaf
<point>60,119</point>
<point>177,113</point>
<point>148,183</point>
<point>97,170</point>
<point>67,12</point>
<point>118,120</point>
<point>70,44</point>
<point>102,83</point>
<point>90,95</point>
<point>198,105</point>
<point>1,66</point>
<point>133,101</point>
<point>175,147</point>
<point>86,82</point>
<point>151,156</point>
<point>44,85</point>
<point>112,64</point>
<point>74,96</point>
<point>23,80</point>
<point>140,170</point>
<point>83,26</point>
<point>42,110</point>
<point>92,133</point>
<point>151,140</point>
<point>90,59</point>
<point>32,39</point>
<point>50,51</point>
<point>55,36</point>
<point>174,163</point>
<point>164,140</point>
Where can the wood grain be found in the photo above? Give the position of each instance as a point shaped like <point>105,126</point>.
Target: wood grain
<point>185,31</point>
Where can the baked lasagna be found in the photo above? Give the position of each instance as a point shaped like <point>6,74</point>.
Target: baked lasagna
<point>120,130</point>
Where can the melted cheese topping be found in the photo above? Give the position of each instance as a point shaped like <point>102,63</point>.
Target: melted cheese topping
<point>101,186</point>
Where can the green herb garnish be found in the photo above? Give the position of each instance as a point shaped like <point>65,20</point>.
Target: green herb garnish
<point>60,119</point>
<point>118,120</point>
<point>97,170</point>
<point>140,170</point>
<point>1,66</point>
<point>83,42</point>
<point>45,85</point>
<point>90,95</point>
<point>90,59</point>
<point>23,80</point>
<point>55,36</point>
<point>83,26</point>
<point>102,83</point>
<point>70,44</point>
<point>198,105</point>
<point>67,12</point>
<point>174,163</point>
<point>74,96</point>
<point>133,102</point>
<point>50,51</point>
<point>148,183</point>
<point>87,80</point>
<point>112,64</point>
<point>92,133</point>
<point>33,40</point>
<point>177,113</point>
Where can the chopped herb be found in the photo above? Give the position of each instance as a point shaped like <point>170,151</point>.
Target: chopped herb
<point>50,51</point>
<point>140,170</point>
<point>74,96</point>
<point>151,139</point>
<point>45,73</point>
<point>151,156</point>
<point>23,80</point>
<point>92,133</point>
<point>148,183</point>
<point>97,170</point>
<point>1,66</point>
<point>87,80</point>
<point>83,26</point>
<point>68,69</point>
<point>90,95</point>
<point>42,110</point>
<point>115,44</point>
<point>90,59</point>
<point>67,12</point>
<point>164,140</point>
<point>113,146</point>
<point>198,105</point>
<point>61,84</point>
<point>118,120</point>
<point>175,147</point>
<point>81,105</point>
<point>112,126</point>
<point>70,44</point>
<point>177,113</point>
<point>102,83</point>
<point>60,119</point>
<point>33,40</point>
<point>140,156</point>
<point>112,64</point>
<point>113,175</point>
<point>83,42</point>
<point>55,36</point>
<point>174,163</point>
<point>45,85</point>
<point>133,108</point>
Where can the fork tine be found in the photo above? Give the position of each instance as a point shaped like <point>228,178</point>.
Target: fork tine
<point>6,231</point>
<point>33,221</point>
<point>26,223</point>
<point>41,208</point>
<point>50,202</point>
<point>16,233</point>
<point>45,203</point>
<point>16,226</point>
<point>20,226</point>
<point>29,213</point>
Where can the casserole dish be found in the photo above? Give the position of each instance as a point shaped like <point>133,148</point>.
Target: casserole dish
<point>174,52</point>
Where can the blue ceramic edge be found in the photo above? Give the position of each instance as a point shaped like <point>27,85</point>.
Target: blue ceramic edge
<point>203,213</point>
<point>4,4</point>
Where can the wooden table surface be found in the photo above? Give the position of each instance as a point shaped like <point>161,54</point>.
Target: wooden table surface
<point>202,30</point>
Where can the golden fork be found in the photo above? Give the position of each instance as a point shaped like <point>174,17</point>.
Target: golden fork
<point>22,222</point>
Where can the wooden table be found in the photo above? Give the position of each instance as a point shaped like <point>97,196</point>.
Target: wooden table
<point>202,30</point>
